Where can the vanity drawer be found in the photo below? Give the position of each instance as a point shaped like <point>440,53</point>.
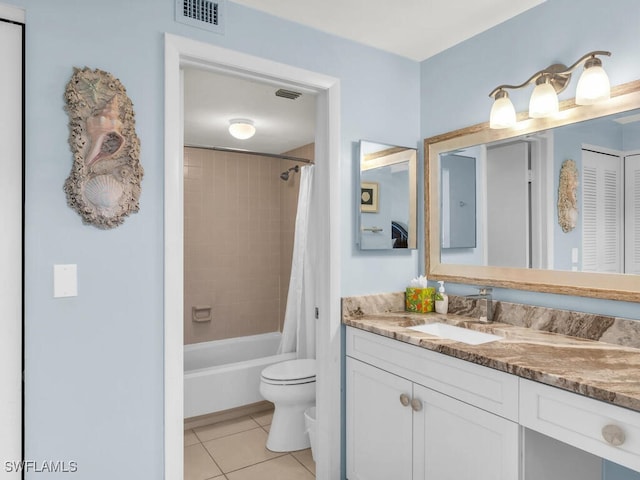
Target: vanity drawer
<point>582,422</point>
<point>488,389</point>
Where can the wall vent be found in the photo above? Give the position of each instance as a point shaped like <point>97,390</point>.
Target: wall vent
<point>205,14</point>
<point>290,94</point>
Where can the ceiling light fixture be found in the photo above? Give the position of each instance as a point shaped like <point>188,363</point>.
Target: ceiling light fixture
<point>241,128</point>
<point>593,87</point>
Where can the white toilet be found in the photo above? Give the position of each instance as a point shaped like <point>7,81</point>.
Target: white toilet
<point>291,387</point>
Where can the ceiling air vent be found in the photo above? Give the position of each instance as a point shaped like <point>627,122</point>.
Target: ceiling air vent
<point>205,14</point>
<point>290,94</point>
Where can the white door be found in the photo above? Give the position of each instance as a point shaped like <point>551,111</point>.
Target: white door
<point>453,440</point>
<point>10,240</point>
<point>632,214</point>
<point>379,444</point>
<point>508,215</point>
<point>602,212</point>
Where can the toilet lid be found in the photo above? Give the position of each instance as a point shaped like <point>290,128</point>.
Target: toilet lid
<point>299,370</point>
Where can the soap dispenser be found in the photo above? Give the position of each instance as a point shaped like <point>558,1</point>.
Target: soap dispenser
<point>442,300</point>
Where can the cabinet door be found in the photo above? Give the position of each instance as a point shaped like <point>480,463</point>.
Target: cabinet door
<point>379,444</point>
<point>456,441</point>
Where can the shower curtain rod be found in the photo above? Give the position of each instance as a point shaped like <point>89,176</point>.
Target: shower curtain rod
<point>249,152</point>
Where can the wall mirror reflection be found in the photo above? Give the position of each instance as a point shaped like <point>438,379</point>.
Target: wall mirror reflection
<point>557,202</point>
<point>519,193</point>
<point>386,204</point>
<point>458,201</point>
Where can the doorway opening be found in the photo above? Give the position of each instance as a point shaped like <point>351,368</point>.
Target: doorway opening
<point>239,210</point>
<point>181,53</point>
<point>519,199</point>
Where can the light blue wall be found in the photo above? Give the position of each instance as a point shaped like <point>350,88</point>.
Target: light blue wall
<point>94,364</point>
<point>456,83</point>
<point>631,137</point>
<point>613,471</point>
<point>94,384</point>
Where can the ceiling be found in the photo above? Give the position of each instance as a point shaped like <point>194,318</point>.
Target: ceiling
<point>416,29</point>
<point>212,99</point>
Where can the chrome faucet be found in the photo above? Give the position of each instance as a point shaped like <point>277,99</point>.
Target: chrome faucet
<point>485,304</point>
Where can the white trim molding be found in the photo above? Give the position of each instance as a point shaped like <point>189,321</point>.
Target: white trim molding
<point>11,238</point>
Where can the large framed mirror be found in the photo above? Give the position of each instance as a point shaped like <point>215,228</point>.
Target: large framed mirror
<point>556,206</point>
<point>387,200</point>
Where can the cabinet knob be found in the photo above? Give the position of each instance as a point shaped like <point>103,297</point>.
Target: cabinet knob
<point>404,399</point>
<point>416,404</point>
<point>613,434</point>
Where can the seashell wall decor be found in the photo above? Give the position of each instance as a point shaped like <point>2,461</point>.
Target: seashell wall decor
<point>104,183</point>
<point>567,201</point>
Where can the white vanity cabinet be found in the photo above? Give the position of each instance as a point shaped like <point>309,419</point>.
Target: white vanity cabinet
<point>416,414</point>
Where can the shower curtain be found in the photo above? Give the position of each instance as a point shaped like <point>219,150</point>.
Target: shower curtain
<point>298,332</point>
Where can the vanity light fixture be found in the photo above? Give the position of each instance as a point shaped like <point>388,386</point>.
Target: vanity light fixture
<point>544,99</point>
<point>241,128</point>
<point>593,87</point>
<point>503,113</point>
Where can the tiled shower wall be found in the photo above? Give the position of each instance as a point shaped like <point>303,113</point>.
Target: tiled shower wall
<point>239,227</point>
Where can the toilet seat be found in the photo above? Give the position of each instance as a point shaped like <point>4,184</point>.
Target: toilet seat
<point>291,372</point>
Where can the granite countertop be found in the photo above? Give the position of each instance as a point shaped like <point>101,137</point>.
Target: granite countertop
<point>603,371</point>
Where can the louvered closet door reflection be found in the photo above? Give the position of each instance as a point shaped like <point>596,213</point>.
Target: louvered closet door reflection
<point>632,214</point>
<point>602,212</point>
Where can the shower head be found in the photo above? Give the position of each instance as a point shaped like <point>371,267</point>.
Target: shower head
<point>285,175</point>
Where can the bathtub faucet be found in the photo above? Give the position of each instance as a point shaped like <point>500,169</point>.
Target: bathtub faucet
<point>485,303</point>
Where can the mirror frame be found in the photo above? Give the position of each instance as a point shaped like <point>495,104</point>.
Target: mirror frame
<point>587,284</point>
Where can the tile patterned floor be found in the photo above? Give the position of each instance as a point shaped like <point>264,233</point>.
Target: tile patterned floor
<point>235,450</point>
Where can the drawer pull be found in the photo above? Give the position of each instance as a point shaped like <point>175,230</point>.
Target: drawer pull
<point>404,399</point>
<point>416,404</point>
<point>613,434</point>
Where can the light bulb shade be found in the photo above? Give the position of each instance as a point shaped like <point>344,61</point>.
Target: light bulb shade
<point>593,86</point>
<point>241,128</point>
<point>503,113</point>
<point>543,101</point>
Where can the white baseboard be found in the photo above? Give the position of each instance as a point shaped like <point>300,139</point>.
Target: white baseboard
<point>217,417</point>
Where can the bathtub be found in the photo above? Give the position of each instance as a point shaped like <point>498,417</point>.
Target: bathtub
<point>225,374</point>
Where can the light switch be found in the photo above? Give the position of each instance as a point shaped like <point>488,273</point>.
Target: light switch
<point>65,281</point>
<point>574,255</point>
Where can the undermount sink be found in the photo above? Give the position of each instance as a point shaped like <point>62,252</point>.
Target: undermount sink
<point>459,334</point>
